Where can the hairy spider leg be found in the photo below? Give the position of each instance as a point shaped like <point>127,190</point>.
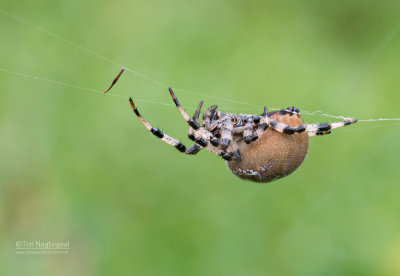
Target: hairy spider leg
<point>195,125</point>
<point>261,125</point>
<point>251,126</point>
<point>167,139</point>
<point>312,129</point>
<point>203,132</point>
<point>175,143</point>
<point>196,115</point>
<point>317,133</point>
<point>205,135</point>
<point>247,133</point>
<point>265,113</point>
<point>233,150</point>
<point>255,125</point>
<point>226,132</point>
<point>196,119</point>
<point>254,129</point>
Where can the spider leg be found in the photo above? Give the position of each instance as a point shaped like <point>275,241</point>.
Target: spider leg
<point>200,142</point>
<point>255,126</point>
<point>248,130</point>
<point>195,125</point>
<point>233,150</point>
<point>196,119</point>
<point>312,130</point>
<point>229,150</point>
<point>226,132</point>
<point>197,113</point>
<point>265,113</point>
<point>164,137</point>
<point>316,133</point>
<point>252,129</point>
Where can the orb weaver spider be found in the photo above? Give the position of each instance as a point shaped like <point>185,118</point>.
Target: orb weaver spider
<point>260,148</point>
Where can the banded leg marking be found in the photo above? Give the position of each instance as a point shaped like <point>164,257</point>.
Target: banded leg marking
<point>226,132</point>
<point>194,122</point>
<point>262,126</point>
<point>322,129</point>
<point>195,125</point>
<point>248,130</point>
<point>317,133</point>
<point>196,119</point>
<point>164,137</point>
<point>175,143</point>
<point>233,151</point>
<point>312,130</point>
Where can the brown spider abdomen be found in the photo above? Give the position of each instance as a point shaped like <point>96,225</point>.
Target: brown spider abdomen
<point>274,154</point>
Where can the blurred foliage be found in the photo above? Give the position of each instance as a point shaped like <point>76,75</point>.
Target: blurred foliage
<point>80,167</point>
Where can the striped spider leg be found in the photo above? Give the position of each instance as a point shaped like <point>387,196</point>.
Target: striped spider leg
<point>250,127</point>
<point>196,119</point>
<point>227,130</point>
<point>172,141</point>
<point>254,127</point>
<point>226,127</point>
<point>233,150</point>
<point>232,153</point>
<point>202,136</point>
<point>166,138</point>
<point>205,138</point>
<point>248,130</point>
<point>311,129</point>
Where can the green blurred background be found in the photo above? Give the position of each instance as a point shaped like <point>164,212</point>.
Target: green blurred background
<point>78,166</point>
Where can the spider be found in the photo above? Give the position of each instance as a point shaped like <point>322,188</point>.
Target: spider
<point>260,148</point>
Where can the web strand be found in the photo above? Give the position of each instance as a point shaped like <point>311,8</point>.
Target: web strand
<point>387,39</point>
<point>143,76</point>
<point>101,92</point>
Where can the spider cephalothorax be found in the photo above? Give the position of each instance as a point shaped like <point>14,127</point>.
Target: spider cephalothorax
<point>260,148</point>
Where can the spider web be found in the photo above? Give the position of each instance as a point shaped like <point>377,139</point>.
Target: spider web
<point>387,39</point>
